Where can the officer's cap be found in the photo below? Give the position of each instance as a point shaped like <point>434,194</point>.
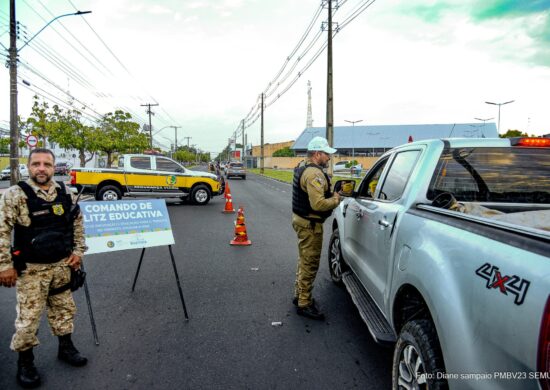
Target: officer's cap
<point>320,144</point>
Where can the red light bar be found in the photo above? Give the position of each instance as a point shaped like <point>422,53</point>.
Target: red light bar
<point>531,141</point>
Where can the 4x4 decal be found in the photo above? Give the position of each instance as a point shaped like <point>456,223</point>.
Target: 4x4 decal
<point>512,284</point>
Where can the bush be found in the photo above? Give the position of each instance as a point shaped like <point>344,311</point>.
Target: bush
<point>284,152</point>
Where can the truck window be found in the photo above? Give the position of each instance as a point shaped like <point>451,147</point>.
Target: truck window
<point>511,174</point>
<point>140,162</point>
<point>398,175</point>
<point>368,185</point>
<point>165,165</point>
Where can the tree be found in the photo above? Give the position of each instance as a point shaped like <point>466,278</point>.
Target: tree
<point>284,152</point>
<point>117,133</point>
<point>4,145</point>
<point>71,133</point>
<point>39,122</point>
<point>513,133</point>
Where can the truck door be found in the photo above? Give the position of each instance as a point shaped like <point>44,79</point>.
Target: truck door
<point>370,220</point>
<point>137,173</point>
<point>169,176</point>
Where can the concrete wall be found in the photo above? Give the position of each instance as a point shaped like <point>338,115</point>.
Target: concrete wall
<point>291,162</point>
<point>269,149</point>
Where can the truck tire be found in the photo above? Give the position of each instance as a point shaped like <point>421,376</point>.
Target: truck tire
<point>109,193</point>
<point>200,195</point>
<point>336,263</point>
<point>417,358</point>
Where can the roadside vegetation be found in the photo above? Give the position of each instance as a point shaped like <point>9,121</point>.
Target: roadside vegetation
<point>286,176</point>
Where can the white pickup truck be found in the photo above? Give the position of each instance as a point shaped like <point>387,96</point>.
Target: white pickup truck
<point>445,250</point>
<point>147,175</point>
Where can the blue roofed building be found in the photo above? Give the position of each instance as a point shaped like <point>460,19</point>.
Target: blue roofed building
<point>376,139</point>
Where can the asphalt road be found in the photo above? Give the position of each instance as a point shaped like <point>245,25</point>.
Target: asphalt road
<point>233,294</point>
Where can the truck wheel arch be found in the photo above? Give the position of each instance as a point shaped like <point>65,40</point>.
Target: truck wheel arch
<point>108,183</point>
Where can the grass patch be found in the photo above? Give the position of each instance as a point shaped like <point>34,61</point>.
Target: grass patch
<point>287,176</point>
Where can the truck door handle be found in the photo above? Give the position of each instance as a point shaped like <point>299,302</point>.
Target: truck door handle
<point>384,223</point>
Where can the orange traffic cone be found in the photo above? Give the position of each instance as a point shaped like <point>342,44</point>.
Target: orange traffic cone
<point>228,200</point>
<point>241,238</point>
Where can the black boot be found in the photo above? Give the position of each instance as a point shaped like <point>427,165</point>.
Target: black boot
<point>27,376</point>
<point>68,353</point>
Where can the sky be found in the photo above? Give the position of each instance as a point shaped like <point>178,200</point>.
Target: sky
<point>205,63</point>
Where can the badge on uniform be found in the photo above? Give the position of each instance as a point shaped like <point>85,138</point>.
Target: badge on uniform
<point>318,182</point>
<point>58,209</point>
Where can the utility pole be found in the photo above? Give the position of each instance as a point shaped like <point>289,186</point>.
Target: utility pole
<point>187,138</point>
<point>14,131</point>
<point>262,137</point>
<point>14,128</point>
<point>330,97</point>
<point>176,136</point>
<point>242,136</point>
<point>149,105</point>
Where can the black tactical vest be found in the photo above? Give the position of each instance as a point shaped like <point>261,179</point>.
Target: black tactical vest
<point>49,237</point>
<point>300,199</point>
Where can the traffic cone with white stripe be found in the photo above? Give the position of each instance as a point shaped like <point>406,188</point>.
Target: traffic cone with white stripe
<point>241,238</point>
<point>228,200</point>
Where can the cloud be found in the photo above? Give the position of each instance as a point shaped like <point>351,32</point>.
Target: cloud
<point>492,9</point>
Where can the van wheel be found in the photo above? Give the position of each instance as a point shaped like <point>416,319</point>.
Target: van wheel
<point>336,264</point>
<point>109,193</point>
<point>200,195</point>
<point>417,358</point>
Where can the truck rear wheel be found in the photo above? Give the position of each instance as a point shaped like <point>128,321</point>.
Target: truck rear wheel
<point>336,263</point>
<point>109,193</point>
<point>417,358</point>
<point>200,195</point>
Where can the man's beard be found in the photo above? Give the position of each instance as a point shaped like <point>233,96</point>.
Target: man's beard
<point>41,180</point>
<point>324,165</point>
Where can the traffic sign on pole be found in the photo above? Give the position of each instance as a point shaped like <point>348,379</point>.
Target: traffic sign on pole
<point>32,141</point>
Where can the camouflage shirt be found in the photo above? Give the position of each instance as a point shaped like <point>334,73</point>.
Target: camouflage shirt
<point>13,209</point>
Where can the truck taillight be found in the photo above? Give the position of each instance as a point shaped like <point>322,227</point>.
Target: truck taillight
<point>544,348</point>
<point>73,177</point>
<point>531,141</point>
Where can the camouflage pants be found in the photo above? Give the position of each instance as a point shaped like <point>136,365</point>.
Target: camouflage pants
<point>310,243</point>
<point>32,297</point>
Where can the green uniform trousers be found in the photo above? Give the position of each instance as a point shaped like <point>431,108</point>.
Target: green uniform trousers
<point>310,243</point>
<point>32,297</point>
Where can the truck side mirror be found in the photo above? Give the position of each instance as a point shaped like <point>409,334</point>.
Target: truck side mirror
<point>345,187</point>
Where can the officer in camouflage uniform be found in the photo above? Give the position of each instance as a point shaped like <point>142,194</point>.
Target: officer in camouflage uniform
<point>312,204</point>
<point>47,241</point>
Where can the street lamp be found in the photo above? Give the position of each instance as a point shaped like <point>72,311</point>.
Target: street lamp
<point>352,131</point>
<point>499,104</point>
<point>14,133</point>
<point>483,120</point>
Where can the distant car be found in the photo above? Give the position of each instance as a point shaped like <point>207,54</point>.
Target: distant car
<point>235,169</point>
<point>23,172</point>
<point>341,166</point>
<point>62,168</point>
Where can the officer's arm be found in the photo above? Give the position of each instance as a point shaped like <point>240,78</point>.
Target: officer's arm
<point>315,185</point>
<point>79,241</point>
<point>9,209</point>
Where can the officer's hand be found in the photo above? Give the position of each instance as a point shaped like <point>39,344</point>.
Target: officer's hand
<point>337,196</point>
<point>8,278</point>
<point>74,261</point>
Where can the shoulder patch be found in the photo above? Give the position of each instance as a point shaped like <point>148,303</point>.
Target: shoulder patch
<point>318,182</point>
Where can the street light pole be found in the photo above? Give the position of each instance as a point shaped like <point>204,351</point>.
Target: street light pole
<point>352,132</point>
<point>483,120</point>
<point>14,131</point>
<point>499,104</point>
